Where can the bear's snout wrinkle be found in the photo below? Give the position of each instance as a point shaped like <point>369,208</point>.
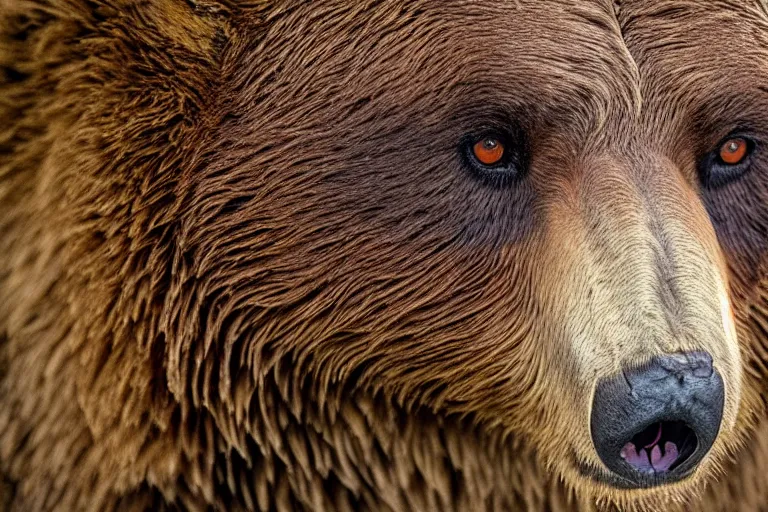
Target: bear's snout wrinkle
<point>653,424</point>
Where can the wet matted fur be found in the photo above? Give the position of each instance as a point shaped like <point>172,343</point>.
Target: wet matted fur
<point>243,264</point>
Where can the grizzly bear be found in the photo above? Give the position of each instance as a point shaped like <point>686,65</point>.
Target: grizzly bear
<point>394,255</point>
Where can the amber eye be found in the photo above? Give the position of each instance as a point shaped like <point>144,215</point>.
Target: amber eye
<point>497,158</point>
<point>728,161</point>
<point>734,151</point>
<point>488,151</point>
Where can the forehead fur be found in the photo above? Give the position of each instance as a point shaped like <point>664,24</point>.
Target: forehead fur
<point>464,51</point>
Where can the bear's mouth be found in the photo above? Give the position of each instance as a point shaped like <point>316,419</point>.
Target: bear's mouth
<point>660,447</point>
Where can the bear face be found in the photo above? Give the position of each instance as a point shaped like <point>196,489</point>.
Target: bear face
<point>389,252</point>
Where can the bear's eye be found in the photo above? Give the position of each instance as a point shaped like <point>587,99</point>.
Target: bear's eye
<point>730,160</point>
<point>494,157</point>
<point>488,151</point>
<point>734,151</point>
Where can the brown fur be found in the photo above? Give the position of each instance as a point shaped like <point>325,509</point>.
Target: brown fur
<point>242,267</point>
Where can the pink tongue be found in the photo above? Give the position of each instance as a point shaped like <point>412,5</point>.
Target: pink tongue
<point>653,462</point>
<point>658,437</point>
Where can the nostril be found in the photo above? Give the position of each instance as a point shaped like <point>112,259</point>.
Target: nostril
<point>660,447</point>
<point>655,423</point>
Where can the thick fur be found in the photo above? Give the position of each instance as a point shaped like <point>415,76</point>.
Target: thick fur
<point>243,265</point>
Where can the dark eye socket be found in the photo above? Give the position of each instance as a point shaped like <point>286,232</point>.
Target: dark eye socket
<point>496,158</point>
<point>728,161</point>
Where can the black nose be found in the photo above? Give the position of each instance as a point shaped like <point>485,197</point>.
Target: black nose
<point>653,424</point>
